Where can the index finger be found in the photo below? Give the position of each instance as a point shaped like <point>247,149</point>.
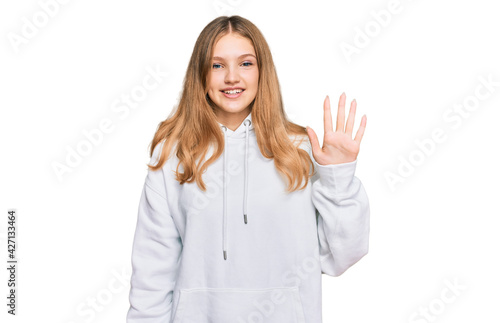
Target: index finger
<point>327,115</point>
<point>341,113</point>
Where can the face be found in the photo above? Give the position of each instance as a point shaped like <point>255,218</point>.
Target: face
<point>233,78</point>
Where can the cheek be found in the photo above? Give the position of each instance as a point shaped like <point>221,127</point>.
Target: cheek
<point>213,87</point>
<point>214,82</point>
<point>253,78</point>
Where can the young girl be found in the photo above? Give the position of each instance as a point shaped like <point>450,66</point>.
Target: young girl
<point>242,210</point>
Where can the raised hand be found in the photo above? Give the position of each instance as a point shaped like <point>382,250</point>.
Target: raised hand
<point>338,146</point>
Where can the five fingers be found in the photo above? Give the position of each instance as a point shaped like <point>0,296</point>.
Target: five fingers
<point>341,118</point>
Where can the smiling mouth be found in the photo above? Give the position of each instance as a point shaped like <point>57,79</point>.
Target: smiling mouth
<point>230,92</point>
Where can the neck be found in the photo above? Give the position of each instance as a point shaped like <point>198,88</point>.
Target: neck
<point>231,120</point>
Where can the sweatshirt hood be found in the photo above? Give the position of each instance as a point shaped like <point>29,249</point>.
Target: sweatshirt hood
<point>242,132</point>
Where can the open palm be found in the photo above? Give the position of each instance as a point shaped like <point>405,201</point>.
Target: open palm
<point>338,146</point>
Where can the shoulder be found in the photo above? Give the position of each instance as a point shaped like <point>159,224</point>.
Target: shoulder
<point>158,151</point>
<point>155,156</point>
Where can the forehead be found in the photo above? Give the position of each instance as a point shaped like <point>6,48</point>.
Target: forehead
<point>233,45</point>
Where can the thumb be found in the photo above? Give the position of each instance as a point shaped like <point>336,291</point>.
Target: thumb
<point>314,141</point>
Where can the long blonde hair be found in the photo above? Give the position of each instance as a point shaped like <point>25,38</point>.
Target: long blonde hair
<point>193,124</point>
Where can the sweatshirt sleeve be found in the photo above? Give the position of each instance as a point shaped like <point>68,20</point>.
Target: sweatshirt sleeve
<point>342,214</point>
<point>155,254</point>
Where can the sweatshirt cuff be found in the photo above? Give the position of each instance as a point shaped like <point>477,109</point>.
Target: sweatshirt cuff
<point>338,176</point>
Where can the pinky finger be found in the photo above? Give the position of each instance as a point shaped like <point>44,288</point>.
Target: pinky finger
<point>361,130</point>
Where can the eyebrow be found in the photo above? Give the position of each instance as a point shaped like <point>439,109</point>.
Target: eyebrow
<point>241,56</point>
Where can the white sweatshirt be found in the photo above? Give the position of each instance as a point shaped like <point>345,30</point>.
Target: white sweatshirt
<point>245,250</point>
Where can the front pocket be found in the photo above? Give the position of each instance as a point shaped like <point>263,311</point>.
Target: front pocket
<point>236,305</point>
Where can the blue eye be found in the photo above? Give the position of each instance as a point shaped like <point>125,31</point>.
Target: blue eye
<point>215,65</point>
<point>249,63</point>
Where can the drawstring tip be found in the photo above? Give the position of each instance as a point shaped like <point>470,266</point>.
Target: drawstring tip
<point>225,255</point>
<point>245,218</point>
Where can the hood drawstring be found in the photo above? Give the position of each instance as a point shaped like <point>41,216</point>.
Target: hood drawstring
<point>224,196</point>
<point>245,194</point>
<point>247,123</point>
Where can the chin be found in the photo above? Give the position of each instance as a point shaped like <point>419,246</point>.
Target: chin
<point>233,108</point>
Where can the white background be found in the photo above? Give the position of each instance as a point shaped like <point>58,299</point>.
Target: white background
<point>438,225</point>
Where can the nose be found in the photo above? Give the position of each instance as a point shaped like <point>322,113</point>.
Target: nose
<point>232,75</point>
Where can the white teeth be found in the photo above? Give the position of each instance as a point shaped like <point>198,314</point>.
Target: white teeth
<point>233,91</point>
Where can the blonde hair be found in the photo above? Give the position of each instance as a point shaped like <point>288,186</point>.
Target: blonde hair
<point>193,124</point>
